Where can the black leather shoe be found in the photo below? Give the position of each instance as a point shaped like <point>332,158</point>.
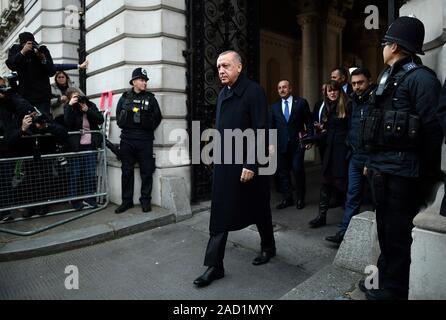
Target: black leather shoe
<point>319,221</point>
<point>337,238</point>
<point>146,207</point>
<point>300,204</point>
<point>264,257</point>
<point>211,274</point>
<point>361,285</point>
<point>123,208</point>
<point>384,294</point>
<point>285,204</point>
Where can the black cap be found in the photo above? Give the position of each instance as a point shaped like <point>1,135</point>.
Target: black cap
<point>408,32</point>
<point>25,37</point>
<point>139,73</point>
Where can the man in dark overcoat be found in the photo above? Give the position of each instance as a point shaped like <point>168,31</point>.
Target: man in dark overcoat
<point>240,195</point>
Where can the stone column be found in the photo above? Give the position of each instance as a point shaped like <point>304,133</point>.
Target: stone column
<point>332,44</point>
<point>371,53</point>
<point>310,63</point>
<point>310,56</point>
<point>121,36</point>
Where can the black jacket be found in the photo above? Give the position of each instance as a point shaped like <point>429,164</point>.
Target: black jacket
<point>12,107</point>
<point>359,110</point>
<point>418,93</point>
<point>124,115</point>
<point>288,132</point>
<point>74,122</point>
<point>33,75</point>
<point>335,163</point>
<point>36,142</point>
<point>236,205</point>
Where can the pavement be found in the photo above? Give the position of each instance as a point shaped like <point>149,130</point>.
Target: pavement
<point>149,256</point>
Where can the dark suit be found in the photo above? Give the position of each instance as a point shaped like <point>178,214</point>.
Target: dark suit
<point>290,156</point>
<point>321,141</point>
<point>236,205</point>
<point>349,90</point>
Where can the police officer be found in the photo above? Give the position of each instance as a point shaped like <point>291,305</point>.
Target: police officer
<point>404,138</point>
<point>138,115</point>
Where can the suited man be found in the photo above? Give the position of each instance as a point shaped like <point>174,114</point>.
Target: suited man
<point>292,118</point>
<point>318,113</point>
<point>340,75</point>
<point>240,193</point>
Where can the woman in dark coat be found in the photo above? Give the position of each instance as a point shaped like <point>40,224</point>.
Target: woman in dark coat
<point>335,164</point>
<point>84,117</point>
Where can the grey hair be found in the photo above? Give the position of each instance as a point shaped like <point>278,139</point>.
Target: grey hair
<point>237,56</point>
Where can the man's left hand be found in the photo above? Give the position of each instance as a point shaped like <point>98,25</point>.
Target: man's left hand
<point>308,146</point>
<point>247,175</point>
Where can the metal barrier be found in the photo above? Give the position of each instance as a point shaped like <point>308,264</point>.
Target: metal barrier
<point>74,181</point>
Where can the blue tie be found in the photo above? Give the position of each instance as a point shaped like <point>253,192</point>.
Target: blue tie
<point>287,111</point>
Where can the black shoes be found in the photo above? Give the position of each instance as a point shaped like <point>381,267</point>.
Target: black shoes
<point>337,238</point>
<point>384,294</point>
<point>319,221</point>
<point>123,208</point>
<point>380,294</point>
<point>146,207</point>
<point>211,274</point>
<point>264,257</point>
<point>361,285</point>
<point>300,204</point>
<point>285,204</point>
<point>77,205</point>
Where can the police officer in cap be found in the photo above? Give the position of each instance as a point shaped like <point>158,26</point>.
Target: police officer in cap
<point>138,115</point>
<point>404,138</point>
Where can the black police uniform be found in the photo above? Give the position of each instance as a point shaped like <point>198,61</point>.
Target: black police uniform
<point>138,115</point>
<point>441,113</point>
<point>404,137</point>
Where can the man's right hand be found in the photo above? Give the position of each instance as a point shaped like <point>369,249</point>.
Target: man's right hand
<point>28,47</point>
<point>27,122</point>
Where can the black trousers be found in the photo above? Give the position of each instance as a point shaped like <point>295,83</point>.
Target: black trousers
<point>141,152</point>
<point>215,251</point>
<point>292,160</point>
<point>397,204</point>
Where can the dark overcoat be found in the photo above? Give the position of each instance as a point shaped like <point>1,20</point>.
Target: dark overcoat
<point>236,205</point>
<point>335,160</point>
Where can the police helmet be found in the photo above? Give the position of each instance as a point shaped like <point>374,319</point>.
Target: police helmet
<point>139,73</point>
<point>408,32</point>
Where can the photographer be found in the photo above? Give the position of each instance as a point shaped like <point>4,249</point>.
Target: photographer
<point>82,115</point>
<point>36,180</point>
<point>34,66</point>
<point>7,118</point>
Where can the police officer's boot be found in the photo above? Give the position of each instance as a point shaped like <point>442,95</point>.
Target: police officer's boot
<point>321,219</point>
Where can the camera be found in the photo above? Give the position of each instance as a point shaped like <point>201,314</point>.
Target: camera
<point>82,99</point>
<point>36,47</point>
<point>39,117</point>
